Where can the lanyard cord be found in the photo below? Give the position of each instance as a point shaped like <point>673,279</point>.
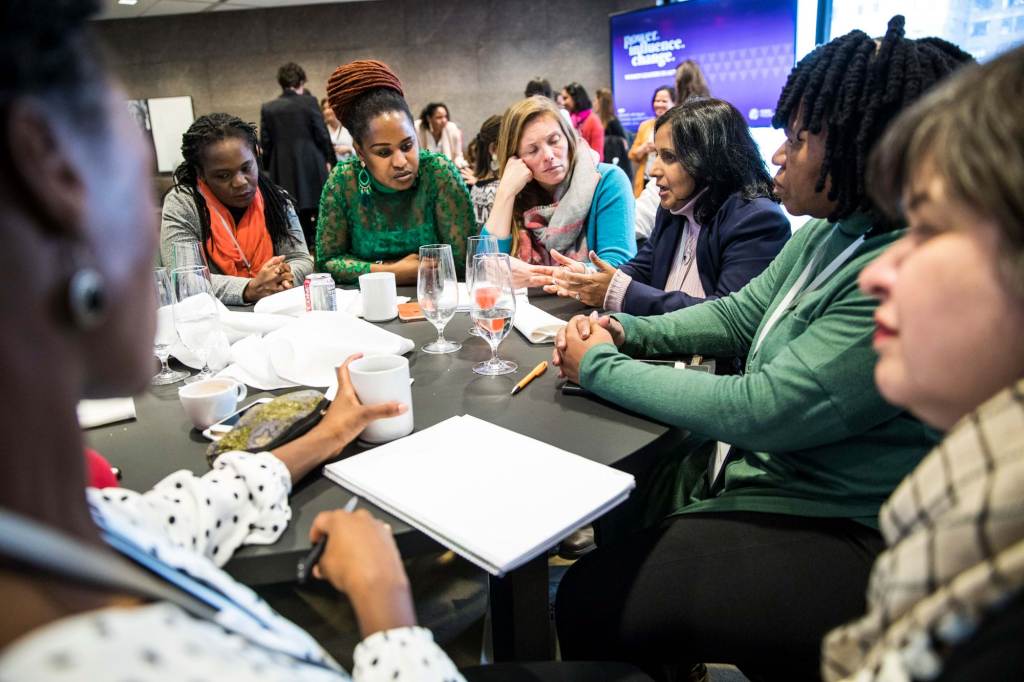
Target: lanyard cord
<point>790,300</point>
<point>234,241</point>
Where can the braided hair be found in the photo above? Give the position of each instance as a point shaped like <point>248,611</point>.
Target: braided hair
<point>362,90</point>
<point>851,88</point>
<point>487,136</point>
<point>207,130</point>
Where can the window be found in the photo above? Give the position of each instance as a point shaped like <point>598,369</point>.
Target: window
<point>985,28</point>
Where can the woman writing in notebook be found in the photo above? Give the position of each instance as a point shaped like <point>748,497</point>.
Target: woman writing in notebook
<point>245,225</point>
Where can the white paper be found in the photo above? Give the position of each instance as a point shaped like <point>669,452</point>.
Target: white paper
<point>538,326</point>
<point>92,413</point>
<point>494,496</point>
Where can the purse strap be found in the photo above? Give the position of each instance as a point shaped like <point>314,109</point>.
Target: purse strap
<point>42,547</point>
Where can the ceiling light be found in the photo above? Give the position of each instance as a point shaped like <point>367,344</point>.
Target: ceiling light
<point>127,2</point>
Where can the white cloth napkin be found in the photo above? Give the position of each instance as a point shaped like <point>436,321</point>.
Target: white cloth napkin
<point>293,302</point>
<point>234,326</point>
<point>535,324</point>
<point>92,413</point>
<point>306,351</point>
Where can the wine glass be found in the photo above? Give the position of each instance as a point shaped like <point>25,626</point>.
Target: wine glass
<point>494,306</point>
<point>187,253</point>
<point>196,315</point>
<point>165,333</point>
<point>475,245</point>
<point>437,290</point>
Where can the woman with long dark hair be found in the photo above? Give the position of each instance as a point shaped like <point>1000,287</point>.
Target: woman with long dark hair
<point>245,224</point>
<point>718,225</point>
<point>584,118</point>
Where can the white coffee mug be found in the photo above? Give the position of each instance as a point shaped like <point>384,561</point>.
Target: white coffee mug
<point>380,300</point>
<point>381,379</point>
<point>207,402</point>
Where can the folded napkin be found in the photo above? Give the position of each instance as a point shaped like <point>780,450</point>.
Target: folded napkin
<point>306,351</point>
<point>234,326</point>
<point>293,302</point>
<point>535,324</point>
<point>92,413</point>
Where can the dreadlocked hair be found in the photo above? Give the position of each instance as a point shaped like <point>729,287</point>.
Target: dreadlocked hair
<point>851,88</point>
<point>207,130</point>
<point>362,90</point>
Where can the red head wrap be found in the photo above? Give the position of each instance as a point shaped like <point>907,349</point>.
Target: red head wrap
<point>351,80</point>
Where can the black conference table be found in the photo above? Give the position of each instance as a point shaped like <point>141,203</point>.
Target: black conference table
<point>162,440</point>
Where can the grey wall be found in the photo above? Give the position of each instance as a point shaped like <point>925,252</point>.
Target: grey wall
<point>476,56</point>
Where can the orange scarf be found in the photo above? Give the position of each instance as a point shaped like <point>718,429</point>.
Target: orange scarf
<point>239,251</point>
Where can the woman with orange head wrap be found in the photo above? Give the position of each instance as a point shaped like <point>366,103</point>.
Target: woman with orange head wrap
<point>380,206</point>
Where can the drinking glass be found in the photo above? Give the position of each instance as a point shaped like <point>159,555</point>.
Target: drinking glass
<point>475,245</point>
<point>437,290</point>
<point>187,254</point>
<point>494,306</point>
<point>196,315</point>
<point>165,333</point>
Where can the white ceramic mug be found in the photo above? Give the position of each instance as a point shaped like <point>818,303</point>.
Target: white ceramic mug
<point>207,402</point>
<point>381,379</point>
<point>380,300</point>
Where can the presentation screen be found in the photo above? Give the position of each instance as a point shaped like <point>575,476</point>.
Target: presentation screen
<point>746,49</point>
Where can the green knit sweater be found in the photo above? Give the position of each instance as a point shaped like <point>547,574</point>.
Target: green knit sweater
<point>353,232</point>
<point>813,435</point>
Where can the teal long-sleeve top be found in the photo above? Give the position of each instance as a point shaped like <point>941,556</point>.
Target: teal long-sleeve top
<point>813,435</point>
<point>610,231</point>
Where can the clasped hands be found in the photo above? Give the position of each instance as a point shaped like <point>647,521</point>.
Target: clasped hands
<point>275,275</point>
<point>582,333</point>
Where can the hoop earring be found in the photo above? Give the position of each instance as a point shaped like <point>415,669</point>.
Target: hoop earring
<point>364,179</point>
<point>86,298</point>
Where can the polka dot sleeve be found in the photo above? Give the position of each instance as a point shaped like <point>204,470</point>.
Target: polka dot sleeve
<point>243,500</point>
<point>403,654</point>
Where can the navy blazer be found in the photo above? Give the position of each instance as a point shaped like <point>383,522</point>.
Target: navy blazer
<point>740,241</point>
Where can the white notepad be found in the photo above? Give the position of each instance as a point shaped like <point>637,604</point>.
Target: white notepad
<point>494,496</point>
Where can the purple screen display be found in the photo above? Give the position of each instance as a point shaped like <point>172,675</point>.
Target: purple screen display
<point>746,49</point>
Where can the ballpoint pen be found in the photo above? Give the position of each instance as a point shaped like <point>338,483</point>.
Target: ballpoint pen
<point>306,564</point>
<point>537,371</point>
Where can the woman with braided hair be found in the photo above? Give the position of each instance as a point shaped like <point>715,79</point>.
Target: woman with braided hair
<point>378,208</point>
<point>245,223</point>
<point>753,560</point>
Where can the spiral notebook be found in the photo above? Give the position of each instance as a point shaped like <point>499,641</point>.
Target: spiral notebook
<point>494,496</point>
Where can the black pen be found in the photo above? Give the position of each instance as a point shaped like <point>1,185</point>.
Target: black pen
<point>306,564</point>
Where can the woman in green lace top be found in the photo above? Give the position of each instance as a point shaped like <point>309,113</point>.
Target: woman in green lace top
<point>378,208</point>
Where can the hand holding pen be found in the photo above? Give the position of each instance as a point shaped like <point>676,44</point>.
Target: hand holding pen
<point>360,558</point>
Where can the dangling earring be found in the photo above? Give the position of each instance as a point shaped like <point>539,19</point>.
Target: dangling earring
<point>86,298</point>
<point>494,165</point>
<point>364,178</point>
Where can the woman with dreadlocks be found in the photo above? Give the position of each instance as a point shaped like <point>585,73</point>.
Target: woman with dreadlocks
<point>751,562</point>
<point>378,208</point>
<point>246,224</point>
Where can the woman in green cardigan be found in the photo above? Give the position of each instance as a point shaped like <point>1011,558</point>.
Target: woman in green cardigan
<point>379,207</point>
<point>757,560</point>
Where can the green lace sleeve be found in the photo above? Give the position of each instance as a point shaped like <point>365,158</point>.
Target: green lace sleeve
<point>333,239</point>
<point>453,211</point>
